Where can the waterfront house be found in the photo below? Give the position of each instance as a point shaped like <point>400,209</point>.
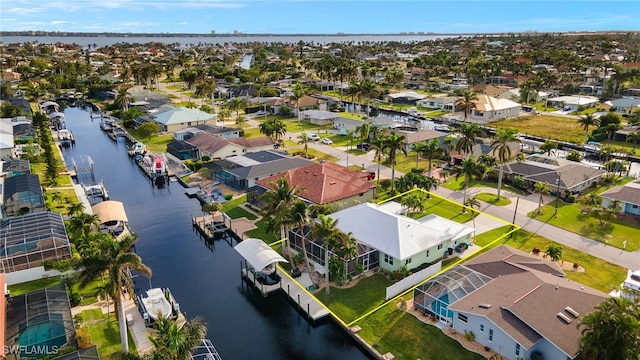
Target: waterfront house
<point>222,131</point>
<point>446,103</point>
<point>573,102</point>
<point>322,184</point>
<point>627,195</point>
<point>182,150</point>
<point>22,195</point>
<point>391,240</point>
<point>513,303</point>
<point>412,137</point>
<point>181,118</point>
<point>489,108</point>
<point>406,97</point>
<point>214,146</point>
<point>304,103</point>
<point>15,167</point>
<point>626,105</point>
<point>30,241</point>
<point>346,124</point>
<point>243,171</point>
<point>319,117</point>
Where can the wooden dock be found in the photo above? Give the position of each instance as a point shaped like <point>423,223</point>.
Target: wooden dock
<point>137,327</point>
<point>209,226</point>
<point>306,302</point>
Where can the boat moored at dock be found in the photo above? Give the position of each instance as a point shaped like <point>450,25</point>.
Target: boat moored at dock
<point>159,303</point>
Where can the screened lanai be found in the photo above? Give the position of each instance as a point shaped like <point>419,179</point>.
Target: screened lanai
<point>30,240</point>
<point>39,323</point>
<point>434,296</point>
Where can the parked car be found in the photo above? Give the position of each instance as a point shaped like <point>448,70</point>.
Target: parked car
<point>327,141</point>
<point>314,137</point>
<point>363,147</point>
<point>371,175</point>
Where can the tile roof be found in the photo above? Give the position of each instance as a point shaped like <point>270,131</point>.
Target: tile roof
<point>323,183</point>
<point>488,103</point>
<point>253,142</point>
<point>209,142</point>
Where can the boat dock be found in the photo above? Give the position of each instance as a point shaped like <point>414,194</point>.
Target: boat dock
<point>154,166</point>
<point>137,327</point>
<point>299,295</point>
<point>209,227</point>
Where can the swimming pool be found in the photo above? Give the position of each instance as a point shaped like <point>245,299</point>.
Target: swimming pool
<point>440,307</point>
<point>43,337</point>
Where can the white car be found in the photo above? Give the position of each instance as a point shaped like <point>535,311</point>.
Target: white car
<point>327,141</point>
<point>314,137</point>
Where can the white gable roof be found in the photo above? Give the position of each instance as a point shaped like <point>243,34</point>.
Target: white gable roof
<point>182,115</point>
<point>258,253</point>
<point>489,103</point>
<point>383,228</point>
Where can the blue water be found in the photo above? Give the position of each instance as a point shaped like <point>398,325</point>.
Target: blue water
<point>45,335</point>
<point>441,308</point>
<point>205,280</point>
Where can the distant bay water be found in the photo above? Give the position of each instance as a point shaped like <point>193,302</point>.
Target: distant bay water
<point>185,41</point>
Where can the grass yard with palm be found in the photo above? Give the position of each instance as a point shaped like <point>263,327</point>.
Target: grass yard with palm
<point>104,332</point>
<point>546,126</point>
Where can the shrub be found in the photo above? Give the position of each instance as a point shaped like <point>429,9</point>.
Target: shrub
<point>535,251</point>
<point>83,338</point>
<point>469,335</point>
<point>575,266</point>
<point>228,196</point>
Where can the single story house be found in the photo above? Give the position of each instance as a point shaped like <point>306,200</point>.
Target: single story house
<point>182,118</point>
<point>346,124</point>
<point>446,103</point>
<point>573,102</point>
<point>22,195</point>
<point>254,144</point>
<point>7,143</point>
<point>324,184</point>
<point>626,105</point>
<point>489,109</point>
<point>412,137</point>
<point>628,195</point>
<point>557,174</point>
<point>392,240</point>
<point>514,303</point>
<point>215,147</point>
<point>243,171</point>
<point>319,117</point>
<point>406,97</point>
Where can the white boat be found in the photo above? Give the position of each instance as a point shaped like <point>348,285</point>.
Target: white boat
<point>156,304</point>
<point>137,149</point>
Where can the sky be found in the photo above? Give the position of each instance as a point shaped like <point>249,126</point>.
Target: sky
<point>317,17</point>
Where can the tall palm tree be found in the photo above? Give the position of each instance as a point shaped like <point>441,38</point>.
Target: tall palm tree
<point>304,140</point>
<point>467,102</point>
<point>586,121</point>
<point>326,228</point>
<point>501,146</point>
<point>273,128</point>
<point>611,331</point>
<point>299,215</point>
<point>393,144</point>
<point>297,93</point>
<point>123,99</point>
<point>431,149</point>
<point>173,341</point>
<point>237,104</point>
<point>377,144</point>
<point>115,258</point>
<point>277,202</point>
<point>467,140</point>
<point>541,188</point>
<point>633,138</point>
<point>473,203</point>
<point>468,169</point>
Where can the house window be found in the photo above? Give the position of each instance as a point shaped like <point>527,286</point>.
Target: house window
<point>408,261</point>
<point>482,327</point>
<point>388,259</point>
<point>189,123</point>
<point>462,318</point>
<point>490,334</point>
<point>439,246</point>
<point>517,349</point>
<point>427,253</point>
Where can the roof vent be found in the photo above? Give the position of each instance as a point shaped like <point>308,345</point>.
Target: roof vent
<point>564,318</point>
<point>485,306</point>
<point>573,313</point>
<point>332,183</point>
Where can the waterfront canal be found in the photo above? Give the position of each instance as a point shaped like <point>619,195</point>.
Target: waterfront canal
<point>205,280</point>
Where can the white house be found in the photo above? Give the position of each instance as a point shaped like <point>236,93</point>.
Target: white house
<point>345,124</point>
<point>319,117</point>
<point>400,240</point>
<point>489,108</point>
<point>628,196</point>
<point>572,102</point>
<point>446,103</point>
<point>182,118</point>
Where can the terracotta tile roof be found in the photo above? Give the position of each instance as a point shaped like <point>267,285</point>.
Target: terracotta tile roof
<point>306,101</point>
<point>253,142</point>
<point>323,183</point>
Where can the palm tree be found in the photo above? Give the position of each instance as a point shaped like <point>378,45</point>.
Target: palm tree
<point>173,341</point>
<point>326,228</point>
<point>304,140</point>
<point>501,145</point>
<point>633,138</point>
<point>363,131</point>
<point>378,146</point>
<point>273,128</point>
<point>541,188</point>
<point>426,147</point>
<point>611,331</point>
<point>277,202</point>
<point>236,104</point>
<point>467,140</point>
<point>123,99</point>
<point>468,169</point>
<point>554,251</point>
<point>297,93</point>
<point>392,144</point>
<point>467,102</point>
<point>473,203</point>
<point>548,147</point>
<point>115,258</point>
<point>299,215</point>
<point>587,121</point>
<point>240,121</point>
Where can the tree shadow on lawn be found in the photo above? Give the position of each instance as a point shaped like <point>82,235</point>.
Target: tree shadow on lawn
<point>597,231</point>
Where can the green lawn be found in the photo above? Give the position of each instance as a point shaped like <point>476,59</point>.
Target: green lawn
<point>104,331</point>
<point>234,202</point>
<point>261,233</point>
<point>493,199</point>
<point>238,212</point>
<point>444,208</point>
<point>156,143</point>
<point>546,126</point>
<point>392,330</point>
<point>351,303</point>
<point>68,197</point>
<point>458,184</point>
<point>570,217</point>
<point>29,286</point>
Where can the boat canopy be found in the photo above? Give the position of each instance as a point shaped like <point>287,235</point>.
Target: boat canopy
<point>258,253</point>
<point>49,103</point>
<point>54,115</point>
<point>110,211</point>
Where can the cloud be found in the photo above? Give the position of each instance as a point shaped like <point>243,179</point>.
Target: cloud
<point>26,11</point>
<point>7,20</point>
<point>61,22</point>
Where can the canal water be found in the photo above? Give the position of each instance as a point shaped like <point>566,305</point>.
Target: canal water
<point>204,279</point>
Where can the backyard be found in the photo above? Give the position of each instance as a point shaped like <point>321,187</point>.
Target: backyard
<point>546,126</point>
